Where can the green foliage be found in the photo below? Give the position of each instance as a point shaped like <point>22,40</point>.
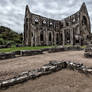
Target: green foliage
<point>9,36</point>
<point>1,41</point>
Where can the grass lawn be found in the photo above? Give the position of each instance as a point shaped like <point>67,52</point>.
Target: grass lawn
<point>24,48</point>
<point>30,48</point>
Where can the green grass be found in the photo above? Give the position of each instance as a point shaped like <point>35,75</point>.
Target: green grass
<point>23,48</point>
<point>29,48</point>
<point>83,46</point>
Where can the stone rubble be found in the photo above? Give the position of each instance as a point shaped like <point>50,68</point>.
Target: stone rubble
<point>88,51</point>
<point>49,68</point>
<point>7,55</point>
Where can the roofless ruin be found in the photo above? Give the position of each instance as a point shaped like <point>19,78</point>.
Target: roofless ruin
<point>73,30</point>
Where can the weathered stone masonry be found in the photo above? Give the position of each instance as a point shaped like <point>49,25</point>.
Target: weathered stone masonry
<point>73,30</point>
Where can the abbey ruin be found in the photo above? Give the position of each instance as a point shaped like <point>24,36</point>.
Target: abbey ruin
<point>41,31</point>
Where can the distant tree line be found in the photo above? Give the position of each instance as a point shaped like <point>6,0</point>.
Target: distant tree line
<point>7,36</point>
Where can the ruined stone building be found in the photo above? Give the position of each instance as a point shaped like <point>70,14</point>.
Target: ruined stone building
<point>73,30</point>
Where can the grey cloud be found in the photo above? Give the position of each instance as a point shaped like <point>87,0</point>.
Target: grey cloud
<point>12,14</point>
<point>59,9</point>
<point>12,11</point>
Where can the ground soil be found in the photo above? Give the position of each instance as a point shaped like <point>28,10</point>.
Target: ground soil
<point>62,81</point>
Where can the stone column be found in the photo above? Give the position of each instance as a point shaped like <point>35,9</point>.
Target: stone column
<point>28,34</point>
<point>51,38</point>
<point>54,38</point>
<point>39,37</point>
<point>36,38</point>
<point>46,37</point>
<point>63,37</point>
<point>71,36</point>
<point>32,39</point>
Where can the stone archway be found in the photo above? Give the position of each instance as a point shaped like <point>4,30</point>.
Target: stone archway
<point>61,36</point>
<point>41,36</point>
<point>57,38</point>
<point>50,37</point>
<point>67,36</point>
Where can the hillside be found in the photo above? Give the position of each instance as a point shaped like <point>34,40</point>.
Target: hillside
<point>7,35</point>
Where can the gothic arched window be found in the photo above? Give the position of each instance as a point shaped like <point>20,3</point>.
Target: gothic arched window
<point>44,21</point>
<point>84,21</point>
<point>36,21</point>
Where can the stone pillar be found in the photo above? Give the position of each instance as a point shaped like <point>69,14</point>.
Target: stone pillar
<point>28,34</point>
<point>80,42</point>
<point>39,37</point>
<point>45,42</point>
<point>54,38</point>
<point>36,38</point>
<point>51,38</point>
<point>46,37</point>
<point>32,40</point>
<point>71,36</point>
<point>63,37</point>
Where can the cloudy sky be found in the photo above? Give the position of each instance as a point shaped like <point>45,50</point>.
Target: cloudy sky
<point>12,11</point>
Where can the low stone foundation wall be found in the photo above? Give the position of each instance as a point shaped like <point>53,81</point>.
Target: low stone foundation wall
<point>52,50</point>
<point>51,67</point>
<point>36,52</point>
<point>75,48</point>
<point>7,55</point>
<point>32,52</point>
<point>88,54</point>
<point>20,53</point>
<point>60,49</point>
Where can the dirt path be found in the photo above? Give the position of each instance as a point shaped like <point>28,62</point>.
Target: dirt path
<point>11,67</point>
<point>63,81</point>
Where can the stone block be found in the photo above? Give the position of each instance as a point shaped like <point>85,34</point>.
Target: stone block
<point>32,52</point>
<point>7,55</point>
<point>21,79</point>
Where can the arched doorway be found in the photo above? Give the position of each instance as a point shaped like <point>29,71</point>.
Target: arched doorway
<point>61,39</point>
<point>41,36</point>
<point>67,36</point>
<point>50,36</point>
<point>57,38</point>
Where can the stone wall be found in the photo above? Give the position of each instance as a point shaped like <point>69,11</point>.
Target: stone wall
<point>88,51</point>
<point>39,30</point>
<point>36,52</point>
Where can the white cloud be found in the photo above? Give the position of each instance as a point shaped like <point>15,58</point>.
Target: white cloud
<point>12,14</point>
<point>12,11</point>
